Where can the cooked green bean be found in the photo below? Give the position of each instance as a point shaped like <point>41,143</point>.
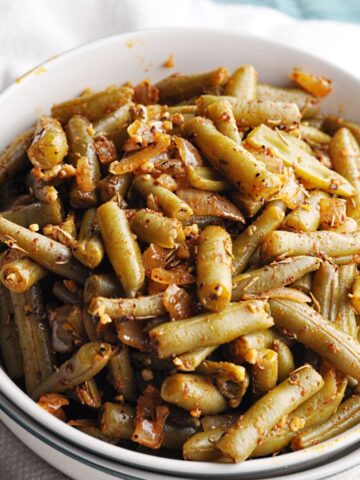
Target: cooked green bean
<point>122,373</point>
<point>306,217</point>
<point>241,439</point>
<point>285,359</point>
<point>9,342</point>
<point>193,392</point>
<point>332,244</point>
<point>35,214</point>
<point>88,394</point>
<point>242,83</point>
<point>188,362</point>
<point>34,337</point>
<point>333,124</point>
<point>252,342</point>
<point>222,115</point>
<point>305,166</point>
<point>319,334</point>
<point>101,285</point>
<point>140,307</point>
<point>314,136</point>
<point>247,206</point>
<point>49,146</point>
<point>20,274</point>
<point>253,236</point>
<point>176,88</point>
<point>89,249</point>
<point>304,283</point>
<point>14,158</point>
<point>50,254</point>
<point>41,190</point>
<point>265,372</point>
<point>251,113</point>
<point>234,161</point>
<point>170,204</point>
<point>206,330</point>
<point>346,416</point>
<point>84,158</point>
<point>84,365</point>
<point>346,318</point>
<point>206,178</point>
<point>113,121</point>
<point>94,105</point>
<point>214,268</point>
<point>117,421</point>
<point>201,446</point>
<point>345,158</point>
<point>121,247</point>
<point>278,274</point>
<point>308,104</point>
<point>314,411</point>
<point>152,227</point>
<point>62,293</point>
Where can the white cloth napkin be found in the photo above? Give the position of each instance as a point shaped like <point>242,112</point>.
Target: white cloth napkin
<point>32,31</point>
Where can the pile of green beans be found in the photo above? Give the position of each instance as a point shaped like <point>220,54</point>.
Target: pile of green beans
<point>179,265</point>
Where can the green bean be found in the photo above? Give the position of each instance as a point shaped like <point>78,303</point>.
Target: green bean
<point>254,235</point>
<point>326,290</point>
<point>206,178</point>
<point>285,358</point>
<point>169,203</point>
<point>83,156</point>
<point>214,268</point>
<point>35,214</point>
<point>306,166</point>
<point>237,164</point>
<point>14,158</point>
<point>88,394</point>
<point>206,330</point>
<point>41,191</point>
<point>101,285</point>
<point>251,113</point>
<point>276,275</point>
<point>176,88</point>
<point>314,136</point>
<point>67,328</point>
<point>313,411</point>
<point>89,249</point>
<point>49,146</point>
<point>140,307</point>
<point>175,436</point>
<point>241,439</point>
<point>306,217</point>
<point>20,274</point>
<point>9,342</point>
<point>50,254</point>
<point>333,244</point>
<point>193,393</point>
<point>222,115</point>
<point>355,296</point>
<point>117,421</point>
<point>122,373</point>
<point>188,362</point>
<point>308,104</point>
<point>319,334</point>
<point>94,105</point>
<point>232,380</point>
<point>245,347</point>
<point>84,365</point>
<point>152,227</point>
<point>346,318</point>
<point>332,124</point>
<point>347,416</point>
<point>112,186</point>
<point>304,283</point>
<point>345,158</point>
<point>247,206</point>
<point>111,122</point>
<point>201,446</point>
<point>34,337</point>
<point>121,247</point>
<point>242,83</point>
<point>265,372</point>
<point>62,293</point>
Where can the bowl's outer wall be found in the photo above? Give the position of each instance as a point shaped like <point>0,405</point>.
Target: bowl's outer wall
<point>132,57</point>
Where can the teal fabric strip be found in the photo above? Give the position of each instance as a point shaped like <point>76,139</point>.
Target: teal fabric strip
<point>341,10</point>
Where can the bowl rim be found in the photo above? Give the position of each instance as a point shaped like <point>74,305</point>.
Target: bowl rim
<point>121,454</point>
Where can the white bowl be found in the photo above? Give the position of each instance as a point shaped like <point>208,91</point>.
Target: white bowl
<point>134,56</point>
